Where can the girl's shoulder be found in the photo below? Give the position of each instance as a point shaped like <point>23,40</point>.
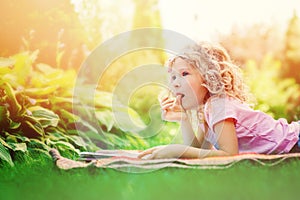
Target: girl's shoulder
<point>219,105</point>
<point>223,100</point>
<point>221,108</point>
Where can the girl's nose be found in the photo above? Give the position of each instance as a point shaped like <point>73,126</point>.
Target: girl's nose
<point>176,83</point>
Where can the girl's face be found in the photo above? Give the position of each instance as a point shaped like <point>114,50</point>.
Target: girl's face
<point>186,81</point>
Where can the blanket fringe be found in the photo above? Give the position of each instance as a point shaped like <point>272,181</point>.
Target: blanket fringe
<point>65,163</point>
<point>130,164</point>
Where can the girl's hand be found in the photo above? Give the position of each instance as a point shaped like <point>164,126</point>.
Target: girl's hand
<point>165,151</point>
<point>172,110</point>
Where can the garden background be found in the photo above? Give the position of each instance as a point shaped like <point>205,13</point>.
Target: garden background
<point>44,43</point>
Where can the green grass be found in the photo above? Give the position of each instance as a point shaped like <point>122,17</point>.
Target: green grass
<point>38,178</point>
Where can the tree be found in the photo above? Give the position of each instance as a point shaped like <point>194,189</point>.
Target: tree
<point>253,42</point>
<point>52,27</point>
<point>102,19</point>
<point>146,14</point>
<point>292,49</point>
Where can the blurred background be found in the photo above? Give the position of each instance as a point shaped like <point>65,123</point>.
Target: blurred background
<point>44,43</point>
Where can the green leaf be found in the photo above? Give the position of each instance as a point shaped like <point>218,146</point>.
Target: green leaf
<point>69,117</point>
<point>11,138</point>
<point>105,117</point>
<point>72,121</point>
<point>63,101</point>
<point>14,125</point>
<point>4,70</point>
<point>47,70</point>
<point>62,145</point>
<point>40,92</point>
<point>21,138</point>
<point>127,119</point>
<point>56,136</point>
<point>73,132</point>
<point>5,144</point>
<point>59,56</point>
<point>103,99</point>
<point>19,147</point>
<point>116,140</point>
<point>4,155</point>
<point>6,65</point>
<point>15,107</point>
<point>95,136</point>
<point>45,76</point>
<point>91,146</point>
<point>39,151</point>
<point>87,126</point>
<point>78,141</point>
<point>133,140</point>
<point>44,116</point>
<point>6,62</point>
<point>23,66</point>
<point>31,127</point>
<point>4,117</point>
<point>136,140</point>
<point>37,144</point>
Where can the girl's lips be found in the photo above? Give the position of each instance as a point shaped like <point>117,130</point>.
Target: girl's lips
<point>179,98</point>
<point>179,94</point>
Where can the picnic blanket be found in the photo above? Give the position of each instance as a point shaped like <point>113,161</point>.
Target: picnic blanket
<point>126,160</point>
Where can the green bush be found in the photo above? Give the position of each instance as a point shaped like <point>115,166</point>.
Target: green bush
<point>37,113</point>
<point>276,96</point>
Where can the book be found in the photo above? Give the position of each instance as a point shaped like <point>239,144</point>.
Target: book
<point>108,154</point>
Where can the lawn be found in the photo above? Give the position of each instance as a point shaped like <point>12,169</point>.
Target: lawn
<point>39,178</point>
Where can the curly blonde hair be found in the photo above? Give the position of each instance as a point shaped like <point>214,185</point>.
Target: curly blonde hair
<point>220,75</point>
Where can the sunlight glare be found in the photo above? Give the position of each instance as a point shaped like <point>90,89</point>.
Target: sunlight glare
<point>201,19</point>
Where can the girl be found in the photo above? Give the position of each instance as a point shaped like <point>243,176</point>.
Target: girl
<point>205,80</point>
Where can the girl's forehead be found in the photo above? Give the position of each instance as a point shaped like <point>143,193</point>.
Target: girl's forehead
<point>178,64</point>
<point>179,60</point>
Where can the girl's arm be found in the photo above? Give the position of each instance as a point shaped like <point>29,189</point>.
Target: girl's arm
<point>172,111</point>
<point>227,141</point>
<point>189,137</point>
<point>188,134</point>
<point>227,138</point>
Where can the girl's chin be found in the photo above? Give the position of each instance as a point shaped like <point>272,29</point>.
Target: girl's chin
<point>189,107</point>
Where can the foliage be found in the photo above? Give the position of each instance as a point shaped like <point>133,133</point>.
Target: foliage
<point>292,49</point>
<point>37,107</point>
<point>253,42</point>
<point>52,27</point>
<point>36,112</point>
<point>97,17</point>
<point>269,73</point>
<point>275,96</point>
<point>146,14</point>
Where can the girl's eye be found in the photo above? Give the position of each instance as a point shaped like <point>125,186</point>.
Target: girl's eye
<point>185,73</point>
<point>173,77</point>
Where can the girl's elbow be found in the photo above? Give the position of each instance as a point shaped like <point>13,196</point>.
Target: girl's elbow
<point>231,152</point>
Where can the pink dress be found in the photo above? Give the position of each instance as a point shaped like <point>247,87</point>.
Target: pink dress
<point>256,131</point>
